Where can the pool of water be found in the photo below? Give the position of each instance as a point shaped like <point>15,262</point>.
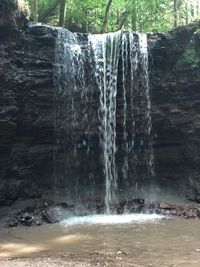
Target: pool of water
<point>135,239</point>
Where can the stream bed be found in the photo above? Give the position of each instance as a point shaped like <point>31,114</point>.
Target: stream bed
<point>126,240</point>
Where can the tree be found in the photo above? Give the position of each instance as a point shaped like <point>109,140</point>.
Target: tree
<point>134,16</point>
<point>122,19</point>
<point>105,21</point>
<point>35,10</point>
<point>62,13</point>
<point>48,11</point>
<point>111,15</point>
<point>175,14</point>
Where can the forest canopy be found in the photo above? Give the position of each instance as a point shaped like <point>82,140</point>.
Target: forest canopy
<point>111,15</point>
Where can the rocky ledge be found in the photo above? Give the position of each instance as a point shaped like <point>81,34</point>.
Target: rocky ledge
<point>47,212</point>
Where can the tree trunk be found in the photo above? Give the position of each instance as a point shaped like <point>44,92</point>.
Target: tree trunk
<point>187,13</point>
<point>198,9</point>
<point>35,10</point>
<point>122,20</point>
<point>84,24</point>
<point>140,26</point>
<point>49,10</point>
<point>106,17</point>
<point>62,13</point>
<point>192,11</point>
<point>134,17</point>
<point>175,14</point>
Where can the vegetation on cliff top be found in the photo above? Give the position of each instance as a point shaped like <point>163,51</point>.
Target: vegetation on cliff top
<point>112,15</point>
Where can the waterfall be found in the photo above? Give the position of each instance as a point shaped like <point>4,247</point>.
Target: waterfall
<point>71,108</point>
<point>137,126</point>
<point>113,142</point>
<point>106,49</point>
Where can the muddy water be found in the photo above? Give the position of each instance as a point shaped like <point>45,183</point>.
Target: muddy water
<point>157,243</point>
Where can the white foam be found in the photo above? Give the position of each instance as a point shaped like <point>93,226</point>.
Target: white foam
<point>112,219</point>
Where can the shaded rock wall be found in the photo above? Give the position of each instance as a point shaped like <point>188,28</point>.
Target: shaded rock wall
<point>175,92</point>
<point>27,110</point>
<point>26,99</point>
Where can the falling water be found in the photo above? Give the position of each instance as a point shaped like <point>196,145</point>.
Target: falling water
<point>149,156</point>
<point>106,50</point>
<point>92,69</point>
<point>137,142</point>
<point>71,108</point>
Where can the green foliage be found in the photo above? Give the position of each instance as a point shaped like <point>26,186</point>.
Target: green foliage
<point>140,15</point>
<point>189,59</point>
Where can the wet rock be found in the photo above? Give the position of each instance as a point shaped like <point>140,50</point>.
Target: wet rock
<point>188,211</point>
<point>27,220</point>
<point>38,222</point>
<point>134,206</point>
<point>164,206</point>
<point>13,224</point>
<point>96,204</point>
<point>47,212</point>
<point>51,215</point>
<point>191,215</point>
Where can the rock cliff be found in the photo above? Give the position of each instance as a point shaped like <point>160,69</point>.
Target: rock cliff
<point>175,93</point>
<point>27,109</point>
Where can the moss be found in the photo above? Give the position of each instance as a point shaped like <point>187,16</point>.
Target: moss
<point>189,59</point>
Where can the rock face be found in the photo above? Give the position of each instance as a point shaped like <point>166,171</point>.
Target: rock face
<point>27,110</point>
<point>175,84</point>
<point>26,100</point>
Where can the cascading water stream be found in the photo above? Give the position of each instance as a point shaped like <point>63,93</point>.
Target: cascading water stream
<point>70,81</point>
<point>93,68</point>
<point>106,50</point>
<point>149,158</point>
<point>136,106</point>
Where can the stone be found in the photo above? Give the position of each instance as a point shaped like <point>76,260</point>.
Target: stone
<point>51,215</point>
<point>13,224</point>
<point>27,220</point>
<point>164,205</point>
